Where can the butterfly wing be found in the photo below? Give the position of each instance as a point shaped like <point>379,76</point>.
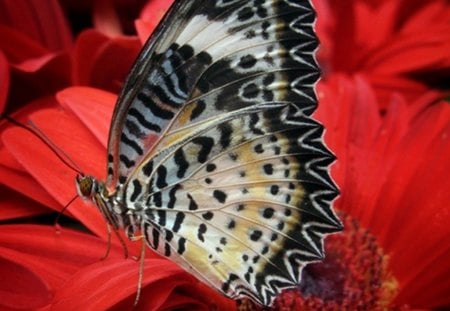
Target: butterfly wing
<point>217,153</point>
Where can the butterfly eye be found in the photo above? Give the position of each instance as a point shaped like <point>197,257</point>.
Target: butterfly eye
<point>85,186</point>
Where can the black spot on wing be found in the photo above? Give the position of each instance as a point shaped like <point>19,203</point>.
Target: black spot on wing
<point>206,144</point>
<point>225,134</point>
<point>161,217</point>
<point>179,218</point>
<point>210,167</point>
<point>142,121</point>
<point>220,196</point>
<point>172,197</point>
<point>255,235</point>
<point>162,174</point>
<point>192,204</point>
<point>201,230</point>
<point>127,162</point>
<point>180,160</point>
<point>147,169</point>
<point>268,169</point>
<point>199,108</point>
<point>137,189</point>
<point>131,143</point>
<point>181,245</point>
<point>207,215</point>
<point>247,61</point>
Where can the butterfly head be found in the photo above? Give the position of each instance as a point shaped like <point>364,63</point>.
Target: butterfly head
<point>91,189</point>
<point>87,186</point>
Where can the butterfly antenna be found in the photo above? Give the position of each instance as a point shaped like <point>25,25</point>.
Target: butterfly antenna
<point>32,128</point>
<point>56,224</point>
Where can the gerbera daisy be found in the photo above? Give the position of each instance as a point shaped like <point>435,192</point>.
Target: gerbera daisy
<point>61,267</point>
<point>394,201</point>
<point>392,173</point>
<point>398,46</point>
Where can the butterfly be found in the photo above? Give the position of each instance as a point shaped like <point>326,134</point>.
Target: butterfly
<point>213,156</point>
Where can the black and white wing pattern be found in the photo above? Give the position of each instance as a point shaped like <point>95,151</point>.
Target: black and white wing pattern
<point>213,152</point>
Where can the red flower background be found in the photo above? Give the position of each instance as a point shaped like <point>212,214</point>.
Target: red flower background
<point>382,99</point>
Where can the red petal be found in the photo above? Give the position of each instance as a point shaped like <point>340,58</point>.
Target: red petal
<point>388,37</point>
<point>150,17</point>
<point>163,282</point>
<point>94,54</point>
<point>144,30</point>
<point>12,173</point>
<point>14,205</point>
<point>23,290</point>
<point>4,81</point>
<point>106,18</point>
<point>419,190</point>
<point>40,76</point>
<point>44,24</point>
<point>393,177</point>
<point>374,24</point>
<point>342,119</point>
<point>388,85</point>
<point>21,182</point>
<point>49,171</point>
<point>105,284</point>
<point>18,47</point>
<point>422,52</point>
<point>42,261</point>
<point>92,106</point>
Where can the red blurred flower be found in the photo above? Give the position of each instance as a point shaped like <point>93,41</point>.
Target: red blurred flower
<point>38,55</point>
<point>63,270</point>
<point>392,169</point>
<point>398,46</point>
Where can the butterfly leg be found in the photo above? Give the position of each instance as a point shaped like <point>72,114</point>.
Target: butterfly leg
<point>122,242</point>
<point>141,265</point>
<point>108,247</point>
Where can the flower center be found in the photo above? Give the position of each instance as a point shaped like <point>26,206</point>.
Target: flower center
<point>353,276</point>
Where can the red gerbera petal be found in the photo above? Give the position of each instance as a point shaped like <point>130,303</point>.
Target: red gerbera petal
<point>4,81</point>
<point>150,16</point>
<point>404,42</point>
<point>92,106</point>
<point>105,284</point>
<point>94,53</point>
<point>14,205</point>
<point>42,164</point>
<point>42,260</point>
<point>392,167</point>
<point>44,24</point>
<point>392,170</point>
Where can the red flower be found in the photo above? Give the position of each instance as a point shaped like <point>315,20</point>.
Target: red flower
<point>33,47</point>
<point>62,270</point>
<point>398,46</point>
<point>40,252</point>
<point>392,168</point>
<point>392,171</point>
<point>38,55</point>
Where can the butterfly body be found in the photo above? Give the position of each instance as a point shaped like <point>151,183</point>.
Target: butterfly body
<point>213,155</point>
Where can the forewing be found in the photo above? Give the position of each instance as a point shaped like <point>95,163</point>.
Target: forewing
<point>133,128</point>
<point>199,48</point>
<point>225,165</point>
